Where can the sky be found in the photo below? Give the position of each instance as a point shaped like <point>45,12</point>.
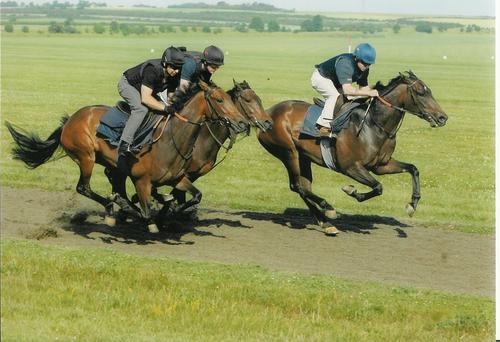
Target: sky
<point>418,7</point>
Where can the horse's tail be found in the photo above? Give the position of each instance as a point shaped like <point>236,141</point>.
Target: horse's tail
<point>31,149</point>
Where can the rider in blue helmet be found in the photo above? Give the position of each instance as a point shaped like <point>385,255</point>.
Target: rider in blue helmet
<point>337,75</point>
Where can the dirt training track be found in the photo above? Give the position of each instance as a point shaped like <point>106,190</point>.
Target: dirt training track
<point>368,247</point>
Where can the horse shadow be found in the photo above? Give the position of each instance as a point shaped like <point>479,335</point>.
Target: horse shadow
<point>88,222</point>
<point>297,218</point>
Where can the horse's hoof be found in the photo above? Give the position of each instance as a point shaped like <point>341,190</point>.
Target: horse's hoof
<point>349,189</point>
<point>331,231</point>
<point>331,214</point>
<point>153,228</point>
<point>110,221</point>
<point>410,210</point>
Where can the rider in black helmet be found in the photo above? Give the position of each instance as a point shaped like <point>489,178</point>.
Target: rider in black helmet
<point>198,67</point>
<point>140,86</point>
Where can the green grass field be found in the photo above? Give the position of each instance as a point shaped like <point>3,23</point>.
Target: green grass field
<point>65,294</point>
<point>45,76</point>
<point>91,295</point>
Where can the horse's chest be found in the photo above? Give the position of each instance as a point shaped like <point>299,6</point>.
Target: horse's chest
<point>383,154</point>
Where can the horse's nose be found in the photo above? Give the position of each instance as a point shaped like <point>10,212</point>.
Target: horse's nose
<point>242,125</point>
<point>442,118</point>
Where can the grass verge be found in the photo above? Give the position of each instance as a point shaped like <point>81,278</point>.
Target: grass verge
<point>54,293</point>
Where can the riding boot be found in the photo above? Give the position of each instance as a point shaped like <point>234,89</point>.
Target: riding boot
<point>125,155</point>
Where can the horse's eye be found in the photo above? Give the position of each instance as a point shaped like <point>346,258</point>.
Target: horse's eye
<point>220,100</point>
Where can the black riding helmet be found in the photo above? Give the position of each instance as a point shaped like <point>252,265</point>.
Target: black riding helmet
<point>213,55</point>
<point>172,56</point>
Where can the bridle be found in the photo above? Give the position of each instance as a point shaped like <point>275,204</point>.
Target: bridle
<point>420,113</point>
<point>221,119</point>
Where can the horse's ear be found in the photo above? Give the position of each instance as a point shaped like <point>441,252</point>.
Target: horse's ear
<point>246,83</point>
<point>204,86</point>
<point>236,85</point>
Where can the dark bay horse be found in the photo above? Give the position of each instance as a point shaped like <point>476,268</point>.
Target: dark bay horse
<point>365,146</point>
<point>164,162</point>
<point>213,136</point>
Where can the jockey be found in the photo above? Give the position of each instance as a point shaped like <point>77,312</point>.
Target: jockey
<point>337,75</point>
<point>140,85</point>
<point>197,67</point>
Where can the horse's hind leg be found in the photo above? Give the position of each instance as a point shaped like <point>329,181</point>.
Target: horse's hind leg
<point>306,183</point>
<point>301,185</point>
<point>395,166</point>
<point>119,191</point>
<point>86,164</point>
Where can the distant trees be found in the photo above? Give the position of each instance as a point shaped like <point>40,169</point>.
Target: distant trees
<point>206,29</point>
<point>472,27</point>
<point>312,25</point>
<point>25,29</point>
<point>99,28</point>
<point>396,28</point>
<point>241,27</point>
<point>114,27</point>
<point>55,27</point>
<point>9,27</point>
<point>257,24</point>
<point>273,26</point>
<point>423,27</point>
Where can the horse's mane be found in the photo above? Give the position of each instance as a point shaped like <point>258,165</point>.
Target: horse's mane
<point>402,77</point>
<point>183,99</point>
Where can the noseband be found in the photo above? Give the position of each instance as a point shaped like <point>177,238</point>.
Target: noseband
<point>421,114</point>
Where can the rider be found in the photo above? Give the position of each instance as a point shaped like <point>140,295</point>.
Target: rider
<point>140,85</point>
<point>197,67</point>
<point>337,75</point>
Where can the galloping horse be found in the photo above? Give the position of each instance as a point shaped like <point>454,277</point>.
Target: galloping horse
<point>164,162</point>
<point>365,146</point>
<point>212,137</point>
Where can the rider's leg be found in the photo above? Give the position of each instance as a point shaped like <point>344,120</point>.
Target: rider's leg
<point>326,88</point>
<point>137,115</point>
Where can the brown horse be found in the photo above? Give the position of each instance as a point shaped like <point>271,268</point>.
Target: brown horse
<point>213,136</point>
<point>164,162</point>
<point>365,146</point>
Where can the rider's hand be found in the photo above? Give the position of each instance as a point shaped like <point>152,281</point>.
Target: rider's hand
<point>169,110</point>
<point>373,93</point>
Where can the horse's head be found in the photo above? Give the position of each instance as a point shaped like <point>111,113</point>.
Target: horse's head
<point>250,105</point>
<point>221,108</point>
<point>421,102</point>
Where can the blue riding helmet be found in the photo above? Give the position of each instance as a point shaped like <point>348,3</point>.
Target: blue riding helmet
<point>366,53</point>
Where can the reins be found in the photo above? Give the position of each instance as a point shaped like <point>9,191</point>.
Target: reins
<point>403,111</point>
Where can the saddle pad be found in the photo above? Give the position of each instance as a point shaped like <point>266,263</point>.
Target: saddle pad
<point>113,122</point>
<point>326,152</point>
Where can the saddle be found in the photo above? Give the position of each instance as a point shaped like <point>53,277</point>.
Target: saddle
<point>113,122</point>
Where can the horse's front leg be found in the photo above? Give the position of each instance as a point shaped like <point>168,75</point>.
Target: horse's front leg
<point>363,176</point>
<point>143,189</point>
<point>183,186</point>
<point>395,166</point>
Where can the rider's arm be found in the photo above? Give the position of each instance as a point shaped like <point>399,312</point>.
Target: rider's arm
<point>184,85</point>
<point>349,90</point>
<point>148,99</point>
